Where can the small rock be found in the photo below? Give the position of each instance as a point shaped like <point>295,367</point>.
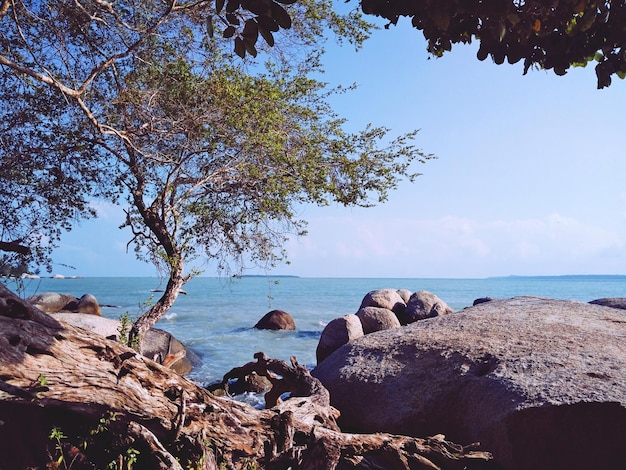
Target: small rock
<point>423,305</point>
<point>51,302</point>
<point>389,299</point>
<point>86,304</point>
<point>377,319</point>
<point>613,302</point>
<point>250,383</point>
<point>276,320</point>
<point>481,300</point>
<point>337,333</point>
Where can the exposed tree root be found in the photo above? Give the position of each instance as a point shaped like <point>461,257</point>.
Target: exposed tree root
<point>53,375</point>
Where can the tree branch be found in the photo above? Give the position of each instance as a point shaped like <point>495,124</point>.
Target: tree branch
<point>15,247</point>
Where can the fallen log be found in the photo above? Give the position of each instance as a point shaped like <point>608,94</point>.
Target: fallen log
<point>72,399</point>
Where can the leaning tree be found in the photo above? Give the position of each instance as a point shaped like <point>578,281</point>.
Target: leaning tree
<point>141,103</point>
<point>548,34</point>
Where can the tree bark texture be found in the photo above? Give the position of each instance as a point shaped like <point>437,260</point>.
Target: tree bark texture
<point>115,408</point>
<point>148,319</point>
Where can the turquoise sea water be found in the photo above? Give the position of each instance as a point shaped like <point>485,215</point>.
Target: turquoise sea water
<point>216,316</point>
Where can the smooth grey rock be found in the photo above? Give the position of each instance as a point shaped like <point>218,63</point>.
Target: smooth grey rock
<point>481,300</point>
<point>423,305</point>
<point>613,302</point>
<point>337,333</point>
<point>276,320</point>
<point>51,302</point>
<point>541,383</point>
<point>377,319</point>
<point>405,294</point>
<point>384,298</point>
<point>86,304</point>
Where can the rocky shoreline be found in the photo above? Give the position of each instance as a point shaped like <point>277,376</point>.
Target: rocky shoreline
<point>539,383</point>
<point>69,397</point>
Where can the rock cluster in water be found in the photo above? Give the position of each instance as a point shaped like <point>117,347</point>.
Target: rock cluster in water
<point>380,309</point>
<point>52,302</point>
<point>541,383</point>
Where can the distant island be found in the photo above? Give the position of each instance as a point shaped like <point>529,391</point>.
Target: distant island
<point>239,276</point>
<point>565,276</point>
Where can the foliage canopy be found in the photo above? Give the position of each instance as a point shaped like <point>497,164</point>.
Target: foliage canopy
<point>550,34</point>
<point>141,103</point>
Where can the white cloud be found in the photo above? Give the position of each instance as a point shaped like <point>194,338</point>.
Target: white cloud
<point>452,246</point>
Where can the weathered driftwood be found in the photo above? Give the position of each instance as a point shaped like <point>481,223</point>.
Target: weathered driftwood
<point>108,401</point>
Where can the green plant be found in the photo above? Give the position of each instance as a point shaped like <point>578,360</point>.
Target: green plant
<point>125,461</point>
<point>146,304</point>
<point>104,423</point>
<point>56,436</point>
<point>124,330</point>
<point>41,380</point>
<point>40,385</point>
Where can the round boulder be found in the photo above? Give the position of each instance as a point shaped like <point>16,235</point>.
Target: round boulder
<point>377,319</point>
<point>384,298</point>
<point>337,333</point>
<point>276,320</point>
<point>51,302</point>
<point>422,305</point>
<point>405,294</point>
<point>86,304</point>
<point>540,383</point>
<point>481,300</point>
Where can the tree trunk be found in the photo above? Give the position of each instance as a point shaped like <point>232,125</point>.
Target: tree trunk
<point>72,399</point>
<point>146,321</point>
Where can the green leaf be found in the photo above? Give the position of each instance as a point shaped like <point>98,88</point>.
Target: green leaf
<point>267,35</point>
<point>240,47</point>
<point>251,31</point>
<point>219,4</point>
<point>258,7</point>
<point>250,47</point>
<point>268,23</point>
<point>232,18</point>
<point>232,5</point>
<point>281,17</point>
<point>229,32</point>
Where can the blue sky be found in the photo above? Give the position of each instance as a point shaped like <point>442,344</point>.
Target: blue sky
<point>529,178</point>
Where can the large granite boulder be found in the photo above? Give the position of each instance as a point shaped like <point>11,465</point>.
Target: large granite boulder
<point>337,333</point>
<point>540,383</point>
<point>158,345</point>
<point>52,302</point>
<point>276,320</point>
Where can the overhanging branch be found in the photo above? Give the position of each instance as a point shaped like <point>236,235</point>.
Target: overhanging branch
<point>15,247</point>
